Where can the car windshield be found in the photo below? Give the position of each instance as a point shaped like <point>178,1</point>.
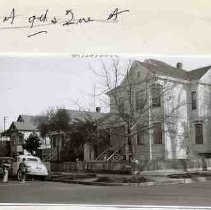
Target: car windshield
<point>32,159</point>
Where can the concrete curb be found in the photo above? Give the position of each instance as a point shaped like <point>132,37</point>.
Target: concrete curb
<point>165,182</point>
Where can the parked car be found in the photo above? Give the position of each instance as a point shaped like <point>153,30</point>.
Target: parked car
<point>34,164</point>
<point>10,161</point>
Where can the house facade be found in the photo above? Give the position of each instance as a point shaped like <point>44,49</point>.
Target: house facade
<point>21,129</point>
<point>160,111</point>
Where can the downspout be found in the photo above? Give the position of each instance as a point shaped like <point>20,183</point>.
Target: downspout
<point>150,132</point>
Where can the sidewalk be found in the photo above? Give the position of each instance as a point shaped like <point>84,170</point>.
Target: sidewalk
<point>162,172</point>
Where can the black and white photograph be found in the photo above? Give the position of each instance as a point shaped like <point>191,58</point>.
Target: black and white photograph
<point>105,104</point>
<point>105,130</point>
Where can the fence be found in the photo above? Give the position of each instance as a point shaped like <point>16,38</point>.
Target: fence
<point>123,166</point>
<point>98,166</point>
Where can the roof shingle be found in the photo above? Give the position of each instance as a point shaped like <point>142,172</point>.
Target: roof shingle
<point>196,74</point>
<point>164,69</point>
<point>24,126</point>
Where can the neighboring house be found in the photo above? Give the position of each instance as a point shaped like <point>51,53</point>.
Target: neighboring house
<point>51,146</point>
<point>58,144</point>
<point>20,130</point>
<point>171,108</point>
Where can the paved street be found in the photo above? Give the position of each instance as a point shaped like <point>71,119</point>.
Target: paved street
<point>54,192</point>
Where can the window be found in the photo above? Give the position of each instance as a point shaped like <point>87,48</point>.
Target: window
<point>156,93</point>
<point>140,138</point>
<point>157,133</point>
<point>199,133</point>
<point>193,100</point>
<point>138,74</point>
<point>63,140</point>
<point>121,104</point>
<point>139,100</point>
<point>20,138</point>
<point>53,141</point>
<point>32,159</point>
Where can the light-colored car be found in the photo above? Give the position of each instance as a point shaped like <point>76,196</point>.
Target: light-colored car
<point>35,167</point>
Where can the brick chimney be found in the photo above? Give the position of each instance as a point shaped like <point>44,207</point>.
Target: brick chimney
<point>179,65</point>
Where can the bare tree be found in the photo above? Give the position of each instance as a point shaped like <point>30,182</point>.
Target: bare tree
<point>137,102</point>
<point>58,122</point>
<point>84,131</point>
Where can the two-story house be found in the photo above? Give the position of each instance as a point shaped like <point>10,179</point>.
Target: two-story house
<point>160,111</point>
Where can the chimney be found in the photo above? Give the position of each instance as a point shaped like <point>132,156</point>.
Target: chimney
<point>179,65</point>
<point>98,109</point>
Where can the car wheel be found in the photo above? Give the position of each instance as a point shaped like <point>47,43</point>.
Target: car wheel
<point>19,175</point>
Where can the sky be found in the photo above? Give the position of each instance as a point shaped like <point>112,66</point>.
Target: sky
<point>33,84</point>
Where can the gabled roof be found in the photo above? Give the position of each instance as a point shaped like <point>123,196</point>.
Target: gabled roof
<point>32,119</point>
<point>196,74</point>
<point>24,118</point>
<point>164,69</point>
<point>23,126</point>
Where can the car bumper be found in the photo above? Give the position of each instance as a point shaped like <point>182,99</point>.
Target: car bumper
<point>35,173</point>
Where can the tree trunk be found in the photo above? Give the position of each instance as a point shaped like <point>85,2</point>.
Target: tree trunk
<point>129,145</point>
<point>127,154</point>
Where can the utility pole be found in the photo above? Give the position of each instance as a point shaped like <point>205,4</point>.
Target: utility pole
<point>5,122</point>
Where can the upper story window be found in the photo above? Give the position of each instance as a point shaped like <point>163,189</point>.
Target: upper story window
<point>156,95</point>
<point>63,141</point>
<point>121,105</point>
<point>53,141</point>
<point>199,133</point>
<point>20,138</point>
<point>157,133</point>
<point>140,137</point>
<point>139,100</point>
<point>138,74</point>
<point>193,100</point>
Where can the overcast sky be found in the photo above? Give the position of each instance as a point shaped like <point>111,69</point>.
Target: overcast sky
<point>33,84</point>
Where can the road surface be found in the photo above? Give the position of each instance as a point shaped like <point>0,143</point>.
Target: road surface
<point>54,192</point>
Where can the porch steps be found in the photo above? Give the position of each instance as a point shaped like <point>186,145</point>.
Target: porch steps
<point>115,153</point>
